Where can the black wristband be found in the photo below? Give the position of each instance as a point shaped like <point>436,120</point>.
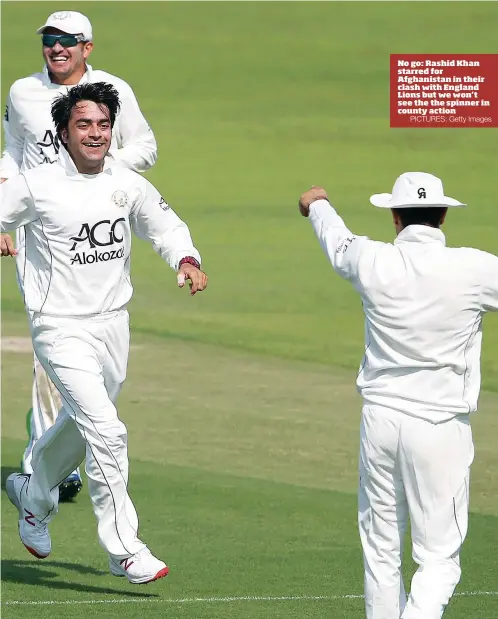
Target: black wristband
<point>189,260</point>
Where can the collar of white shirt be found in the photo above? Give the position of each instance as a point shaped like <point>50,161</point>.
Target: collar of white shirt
<point>87,77</point>
<point>420,234</point>
<point>65,160</point>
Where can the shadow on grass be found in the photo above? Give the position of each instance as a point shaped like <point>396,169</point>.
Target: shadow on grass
<point>44,574</point>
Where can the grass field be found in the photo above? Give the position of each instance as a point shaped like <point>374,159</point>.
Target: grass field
<point>240,402</point>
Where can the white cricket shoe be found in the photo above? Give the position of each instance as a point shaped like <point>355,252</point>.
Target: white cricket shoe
<point>140,568</point>
<point>33,533</point>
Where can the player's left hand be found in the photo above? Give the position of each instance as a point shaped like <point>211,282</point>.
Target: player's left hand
<point>310,196</point>
<point>7,245</point>
<point>198,279</point>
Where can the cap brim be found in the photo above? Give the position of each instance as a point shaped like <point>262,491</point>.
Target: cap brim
<point>381,200</point>
<point>384,200</point>
<point>43,28</point>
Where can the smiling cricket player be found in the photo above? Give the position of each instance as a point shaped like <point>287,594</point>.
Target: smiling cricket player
<point>79,214</point>
<point>31,139</point>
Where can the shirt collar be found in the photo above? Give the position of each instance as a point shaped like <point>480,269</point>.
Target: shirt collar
<point>64,160</point>
<point>86,77</point>
<point>420,234</point>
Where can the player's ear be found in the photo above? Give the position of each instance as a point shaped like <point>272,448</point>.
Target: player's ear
<point>64,136</point>
<point>87,49</point>
<point>396,221</point>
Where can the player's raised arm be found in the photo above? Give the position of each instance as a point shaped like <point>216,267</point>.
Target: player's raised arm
<point>341,246</point>
<point>17,207</point>
<point>137,144</point>
<point>153,220</point>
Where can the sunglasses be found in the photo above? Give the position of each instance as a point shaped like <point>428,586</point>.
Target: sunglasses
<point>66,40</point>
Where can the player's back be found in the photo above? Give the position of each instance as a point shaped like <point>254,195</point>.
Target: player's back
<point>423,306</point>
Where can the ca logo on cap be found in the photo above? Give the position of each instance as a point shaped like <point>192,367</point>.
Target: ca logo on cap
<point>421,193</point>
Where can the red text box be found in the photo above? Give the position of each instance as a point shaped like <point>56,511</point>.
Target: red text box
<point>444,90</point>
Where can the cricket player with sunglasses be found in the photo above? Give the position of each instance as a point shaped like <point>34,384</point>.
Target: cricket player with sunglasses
<point>420,379</point>
<point>31,140</point>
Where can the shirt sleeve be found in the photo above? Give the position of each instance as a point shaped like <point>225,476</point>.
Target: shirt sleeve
<point>153,220</point>
<point>17,207</point>
<point>11,160</point>
<point>137,147</point>
<point>489,290</point>
<point>341,246</point>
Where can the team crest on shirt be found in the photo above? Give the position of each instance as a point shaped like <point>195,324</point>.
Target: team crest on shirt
<point>120,198</point>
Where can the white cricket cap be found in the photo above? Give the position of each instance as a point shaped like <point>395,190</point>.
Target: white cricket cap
<point>70,22</point>
<point>415,189</point>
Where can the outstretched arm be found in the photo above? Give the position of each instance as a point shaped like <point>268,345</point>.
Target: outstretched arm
<point>17,207</point>
<point>341,246</point>
<point>7,247</point>
<point>153,220</point>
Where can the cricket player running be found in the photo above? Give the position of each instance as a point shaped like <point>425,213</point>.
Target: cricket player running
<point>78,215</point>
<point>419,380</point>
<point>30,140</point>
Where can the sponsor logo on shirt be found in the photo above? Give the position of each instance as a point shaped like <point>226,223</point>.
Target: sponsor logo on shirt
<point>49,147</point>
<point>343,245</point>
<point>163,204</point>
<point>102,234</point>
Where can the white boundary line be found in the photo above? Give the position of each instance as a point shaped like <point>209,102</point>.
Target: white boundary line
<point>248,598</point>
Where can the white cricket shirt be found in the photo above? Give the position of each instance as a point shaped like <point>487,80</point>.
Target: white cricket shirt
<point>30,137</point>
<point>423,305</point>
<point>78,234</point>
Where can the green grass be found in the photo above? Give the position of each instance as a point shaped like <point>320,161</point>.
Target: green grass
<point>240,403</point>
<point>243,470</point>
<point>223,536</point>
<point>252,102</point>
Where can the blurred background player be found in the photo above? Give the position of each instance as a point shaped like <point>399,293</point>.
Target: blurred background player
<point>30,140</point>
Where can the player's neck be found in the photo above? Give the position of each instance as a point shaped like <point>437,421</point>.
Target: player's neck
<point>70,80</point>
<point>84,168</point>
<point>87,167</point>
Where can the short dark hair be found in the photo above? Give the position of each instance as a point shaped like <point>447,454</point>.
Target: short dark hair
<point>100,93</point>
<point>429,216</point>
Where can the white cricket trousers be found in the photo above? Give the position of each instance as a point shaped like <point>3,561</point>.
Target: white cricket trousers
<point>45,399</point>
<point>86,359</point>
<point>411,469</point>
<point>45,406</point>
